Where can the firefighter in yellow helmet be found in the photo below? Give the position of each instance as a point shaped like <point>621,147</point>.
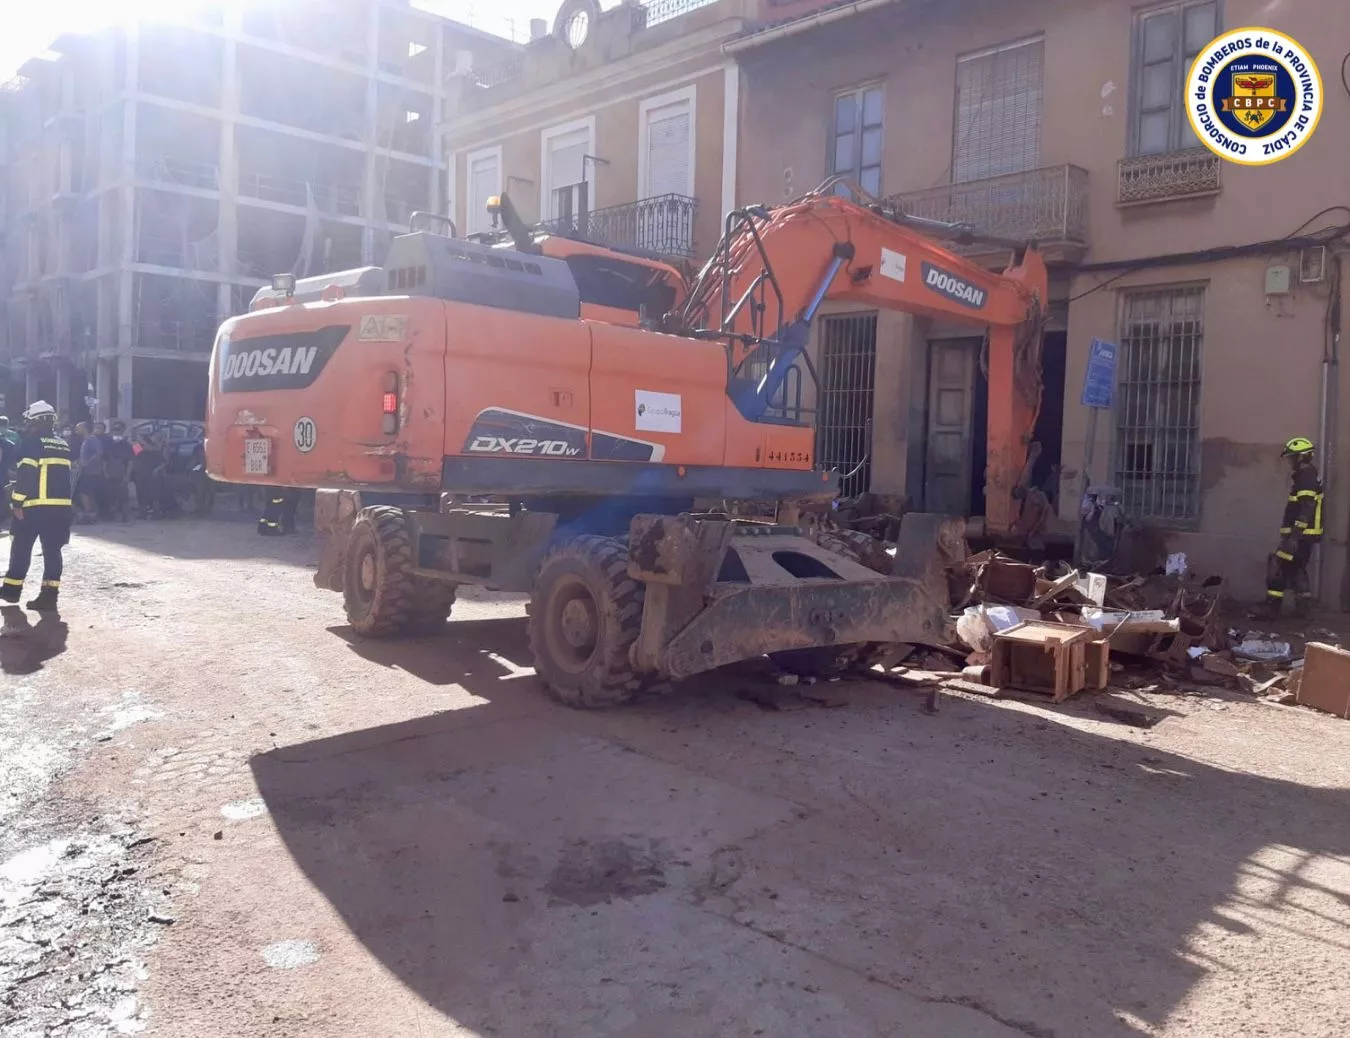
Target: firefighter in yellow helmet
<point>41,503</point>
<point>1287,567</point>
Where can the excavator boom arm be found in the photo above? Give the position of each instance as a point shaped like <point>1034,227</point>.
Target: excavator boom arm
<point>776,267</point>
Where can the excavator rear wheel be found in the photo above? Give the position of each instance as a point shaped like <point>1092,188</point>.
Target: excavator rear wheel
<point>585,614</point>
<point>378,587</point>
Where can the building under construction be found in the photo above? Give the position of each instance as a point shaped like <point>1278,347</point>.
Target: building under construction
<point>156,174</point>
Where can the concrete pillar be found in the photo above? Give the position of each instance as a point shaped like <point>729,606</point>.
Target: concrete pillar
<point>122,366</point>
<point>63,400</point>
<point>105,381</point>
<point>227,227</point>
<point>125,279</point>
<point>371,188</point>
<point>30,386</point>
<point>435,199</point>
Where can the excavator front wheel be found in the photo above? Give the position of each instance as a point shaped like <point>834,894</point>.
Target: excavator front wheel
<point>431,605</point>
<point>585,615</point>
<point>378,587</point>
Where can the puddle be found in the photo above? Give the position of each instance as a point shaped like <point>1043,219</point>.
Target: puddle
<point>21,874</point>
<point>242,810</point>
<point>289,955</point>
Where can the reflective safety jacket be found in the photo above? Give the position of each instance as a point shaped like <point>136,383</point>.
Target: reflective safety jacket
<point>42,476</point>
<point>1303,511</point>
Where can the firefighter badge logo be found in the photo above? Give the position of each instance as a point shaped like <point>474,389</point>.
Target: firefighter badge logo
<point>1254,96</point>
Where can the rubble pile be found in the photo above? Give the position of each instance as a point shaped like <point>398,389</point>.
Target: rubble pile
<point>1050,632</point>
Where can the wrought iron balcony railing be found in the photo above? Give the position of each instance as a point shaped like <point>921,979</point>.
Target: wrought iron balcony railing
<point>1044,205</point>
<point>663,225</point>
<point>1192,173</point>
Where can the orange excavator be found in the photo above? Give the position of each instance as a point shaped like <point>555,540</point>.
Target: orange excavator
<point>541,415</point>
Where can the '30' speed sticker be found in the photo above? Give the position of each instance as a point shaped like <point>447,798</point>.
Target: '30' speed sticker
<point>306,435</point>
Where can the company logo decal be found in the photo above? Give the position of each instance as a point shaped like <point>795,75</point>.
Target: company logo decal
<point>290,361</point>
<point>1254,96</point>
<point>957,289</point>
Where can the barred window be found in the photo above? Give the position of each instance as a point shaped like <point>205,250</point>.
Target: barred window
<point>1158,405</point>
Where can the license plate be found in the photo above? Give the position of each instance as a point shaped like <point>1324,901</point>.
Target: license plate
<point>257,455</point>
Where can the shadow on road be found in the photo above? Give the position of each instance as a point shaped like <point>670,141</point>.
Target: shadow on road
<point>228,537</point>
<point>26,647</point>
<point>509,858</point>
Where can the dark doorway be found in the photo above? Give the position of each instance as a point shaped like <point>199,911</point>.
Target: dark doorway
<point>1050,425</point>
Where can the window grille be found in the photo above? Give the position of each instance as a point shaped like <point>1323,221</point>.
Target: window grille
<point>848,375</point>
<point>1158,404</point>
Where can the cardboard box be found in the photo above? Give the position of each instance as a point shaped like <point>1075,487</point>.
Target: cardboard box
<point>1325,684</point>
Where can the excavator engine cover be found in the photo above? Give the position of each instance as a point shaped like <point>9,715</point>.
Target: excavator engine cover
<point>423,264</point>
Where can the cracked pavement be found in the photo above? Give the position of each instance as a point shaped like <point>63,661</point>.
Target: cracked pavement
<point>223,816</point>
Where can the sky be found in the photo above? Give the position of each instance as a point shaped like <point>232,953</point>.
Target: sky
<point>30,25</point>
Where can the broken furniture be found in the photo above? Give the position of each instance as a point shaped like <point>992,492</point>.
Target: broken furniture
<point>1052,659</point>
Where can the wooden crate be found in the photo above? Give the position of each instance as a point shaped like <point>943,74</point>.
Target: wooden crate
<point>1057,660</point>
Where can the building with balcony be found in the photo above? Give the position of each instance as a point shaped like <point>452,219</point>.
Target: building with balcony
<point>1061,121</point>
<point>156,174</point>
<point>617,126</point>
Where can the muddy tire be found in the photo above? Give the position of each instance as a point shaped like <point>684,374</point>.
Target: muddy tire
<point>585,614</point>
<point>432,602</point>
<point>378,588</point>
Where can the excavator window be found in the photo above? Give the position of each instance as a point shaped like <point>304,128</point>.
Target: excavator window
<point>603,281</point>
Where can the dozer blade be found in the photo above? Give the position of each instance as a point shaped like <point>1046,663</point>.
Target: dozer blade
<point>773,590</point>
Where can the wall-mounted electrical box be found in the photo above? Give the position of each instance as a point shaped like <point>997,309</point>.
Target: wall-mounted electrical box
<point>1277,280</point>
<point>1312,265</point>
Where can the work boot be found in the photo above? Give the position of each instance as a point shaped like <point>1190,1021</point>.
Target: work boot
<point>45,601</point>
<point>1267,610</point>
<point>10,592</point>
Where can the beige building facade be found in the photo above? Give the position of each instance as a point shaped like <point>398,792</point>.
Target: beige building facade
<point>1062,121</point>
<point>615,125</point>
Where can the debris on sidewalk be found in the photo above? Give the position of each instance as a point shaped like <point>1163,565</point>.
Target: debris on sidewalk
<point>1325,680</point>
<point>1058,660</point>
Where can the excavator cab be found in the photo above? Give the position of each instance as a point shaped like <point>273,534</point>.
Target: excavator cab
<point>623,286</point>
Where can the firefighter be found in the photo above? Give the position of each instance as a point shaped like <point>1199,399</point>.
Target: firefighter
<point>42,507</point>
<point>1301,530</point>
<point>278,517</point>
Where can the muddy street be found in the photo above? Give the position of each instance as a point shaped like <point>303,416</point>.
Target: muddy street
<point>222,815</point>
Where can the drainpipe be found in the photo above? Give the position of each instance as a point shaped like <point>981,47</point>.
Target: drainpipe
<point>810,22</point>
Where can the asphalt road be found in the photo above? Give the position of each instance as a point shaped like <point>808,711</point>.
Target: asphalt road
<point>221,815</point>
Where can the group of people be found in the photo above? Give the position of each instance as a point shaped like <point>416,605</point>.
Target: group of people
<point>109,467</point>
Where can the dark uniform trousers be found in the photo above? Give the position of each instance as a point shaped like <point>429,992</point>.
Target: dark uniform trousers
<point>279,516</point>
<point>49,527</point>
<point>42,489</point>
<point>1301,530</point>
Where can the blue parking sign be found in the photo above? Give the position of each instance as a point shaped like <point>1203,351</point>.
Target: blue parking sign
<point>1099,381</point>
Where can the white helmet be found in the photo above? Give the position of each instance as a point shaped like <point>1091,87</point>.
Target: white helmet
<point>39,409</point>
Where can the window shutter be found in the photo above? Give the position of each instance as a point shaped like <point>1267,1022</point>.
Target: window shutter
<point>668,171</point>
<point>998,112</point>
<point>567,162</point>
